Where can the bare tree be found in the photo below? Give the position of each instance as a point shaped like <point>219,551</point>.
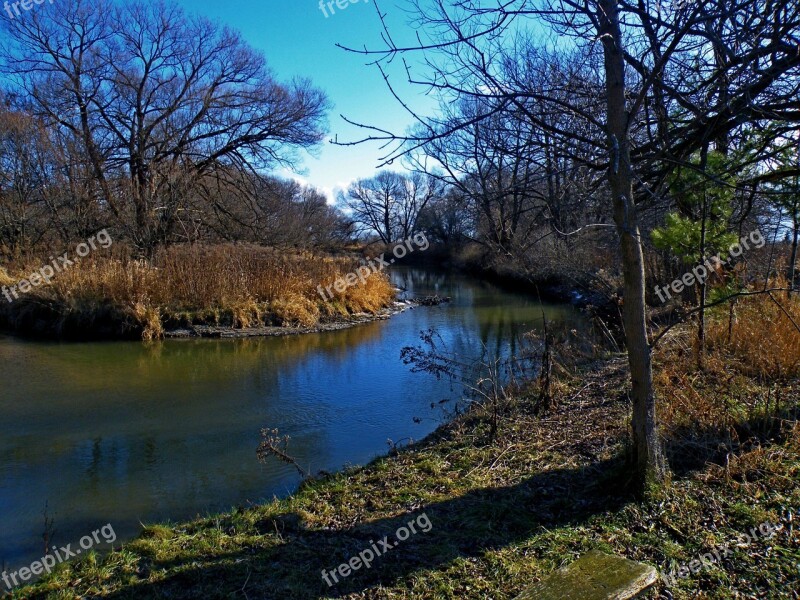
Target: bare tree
<point>521,181</point>
<point>389,204</point>
<point>22,179</point>
<point>157,98</point>
<point>372,204</point>
<point>267,210</point>
<point>416,191</point>
<point>448,219</point>
<point>662,99</point>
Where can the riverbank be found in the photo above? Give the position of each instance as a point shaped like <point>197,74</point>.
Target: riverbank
<point>338,324</point>
<point>236,288</point>
<point>557,274</point>
<point>506,512</point>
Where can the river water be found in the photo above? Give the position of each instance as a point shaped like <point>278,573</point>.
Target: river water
<point>128,433</point>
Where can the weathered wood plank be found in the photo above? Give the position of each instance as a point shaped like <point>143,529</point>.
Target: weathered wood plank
<point>595,576</point>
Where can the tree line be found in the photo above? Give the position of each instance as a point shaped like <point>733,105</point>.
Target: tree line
<point>561,116</point>
<point>656,132</point>
<point>161,124</point>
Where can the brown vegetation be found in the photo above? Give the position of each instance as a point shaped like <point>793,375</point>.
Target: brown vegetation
<point>239,286</point>
<point>745,393</point>
<point>763,338</point>
<point>505,513</point>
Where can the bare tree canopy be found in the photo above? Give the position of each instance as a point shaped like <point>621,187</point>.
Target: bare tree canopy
<point>634,93</point>
<point>153,98</point>
<point>389,205</point>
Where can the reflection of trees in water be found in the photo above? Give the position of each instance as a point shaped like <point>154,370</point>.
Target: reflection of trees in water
<point>175,463</point>
<point>125,382</point>
<point>509,338</point>
<point>423,283</point>
<point>499,333</point>
<point>96,366</point>
<point>502,328</point>
<point>157,476</point>
<point>500,318</point>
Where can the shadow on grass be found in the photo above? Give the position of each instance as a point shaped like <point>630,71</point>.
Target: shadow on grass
<point>463,527</point>
<point>691,449</point>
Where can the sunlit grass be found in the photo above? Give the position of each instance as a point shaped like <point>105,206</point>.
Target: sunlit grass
<point>763,337</point>
<point>238,286</point>
<point>504,514</point>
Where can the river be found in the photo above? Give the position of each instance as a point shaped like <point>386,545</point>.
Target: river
<point>128,433</point>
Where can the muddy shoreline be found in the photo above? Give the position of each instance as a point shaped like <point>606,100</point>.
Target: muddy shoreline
<point>224,332</point>
<point>50,321</point>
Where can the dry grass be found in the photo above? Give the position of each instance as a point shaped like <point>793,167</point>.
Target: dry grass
<point>504,515</point>
<point>238,286</point>
<point>765,337</point>
<point>746,391</point>
<point>4,277</point>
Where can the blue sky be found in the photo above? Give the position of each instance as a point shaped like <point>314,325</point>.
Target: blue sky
<point>298,40</point>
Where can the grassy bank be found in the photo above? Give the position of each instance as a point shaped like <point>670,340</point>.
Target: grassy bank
<point>507,512</point>
<point>237,286</point>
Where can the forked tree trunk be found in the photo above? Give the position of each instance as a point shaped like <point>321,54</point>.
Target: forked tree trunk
<point>648,457</point>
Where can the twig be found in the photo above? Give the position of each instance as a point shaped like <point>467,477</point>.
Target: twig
<point>707,306</point>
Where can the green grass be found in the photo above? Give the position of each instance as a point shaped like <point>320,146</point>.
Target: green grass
<point>505,513</point>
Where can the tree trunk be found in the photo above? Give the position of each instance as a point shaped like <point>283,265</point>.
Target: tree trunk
<point>648,457</point>
<point>793,259</point>
<point>701,317</point>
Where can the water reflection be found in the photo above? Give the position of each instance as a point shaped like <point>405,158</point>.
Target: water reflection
<point>125,433</point>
